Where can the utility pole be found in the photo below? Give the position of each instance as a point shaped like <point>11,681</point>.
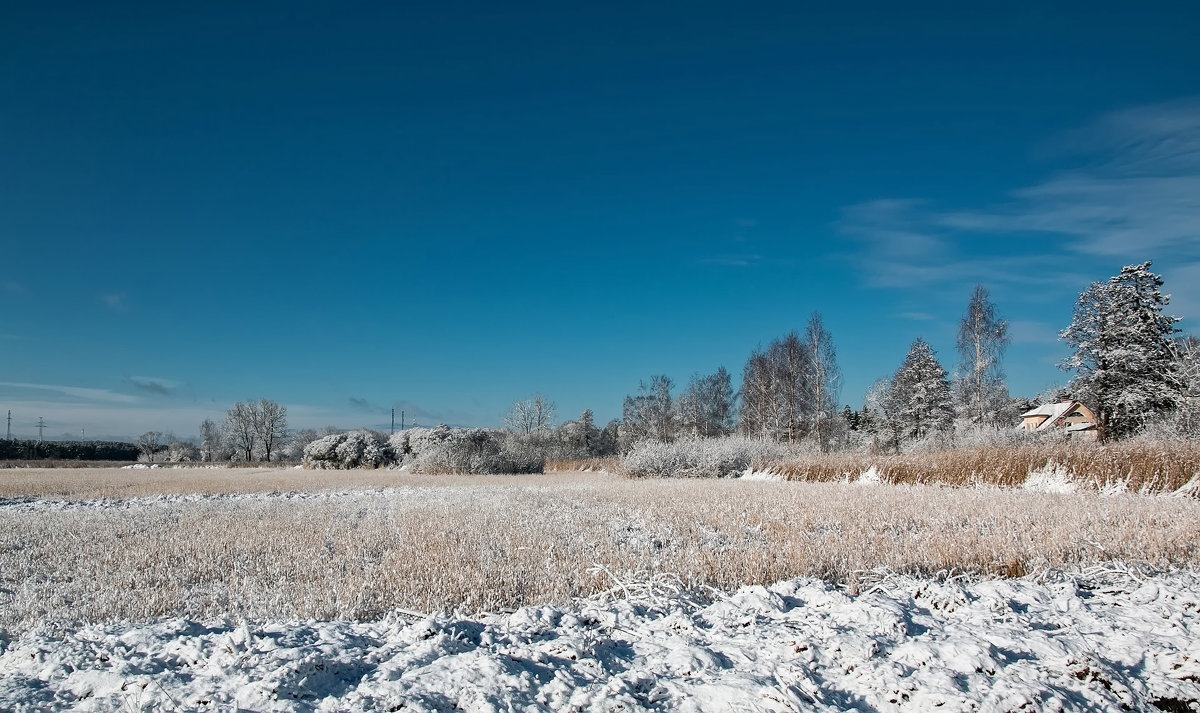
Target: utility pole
<point>401,420</point>
<point>9,436</point>
<point>41,427</point>
<point>393,421</point>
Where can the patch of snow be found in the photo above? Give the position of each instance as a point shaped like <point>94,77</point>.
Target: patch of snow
<point>766,475</point>
<point>1097,639</point>
<point>870,476</point>
<point>1189,489</point>
<point>1054,478</point>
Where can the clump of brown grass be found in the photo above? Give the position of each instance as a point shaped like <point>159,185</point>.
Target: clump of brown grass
<point>1140,466</point>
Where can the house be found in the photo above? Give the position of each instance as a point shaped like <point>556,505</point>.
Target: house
<point>1077,421</point>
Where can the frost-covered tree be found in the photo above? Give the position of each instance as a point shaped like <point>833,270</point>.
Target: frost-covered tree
<point>706,407</point>
<point>918,400</point>
<point>270,425</point>
<point>824,382</point>
<point>182,451</point>
<point>239,427</point>
<point>776,395</point>
<point>979,385</point>
<point>610,438</point>
<point>1123,354</point>
<point>531,415</point>
<point>211,442</point>
<point>876,418</point>
<point>293,448</point>
<point>649,414</point>
<point>150,443</point>
<point>256,427</point>
<point>1187,365</point>
<point>757,396</point>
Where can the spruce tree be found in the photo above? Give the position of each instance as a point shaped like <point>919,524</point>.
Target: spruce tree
<point>1123,361</point>
<point>918,398</point>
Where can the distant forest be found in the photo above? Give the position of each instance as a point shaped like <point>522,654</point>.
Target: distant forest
<point>68,450</point>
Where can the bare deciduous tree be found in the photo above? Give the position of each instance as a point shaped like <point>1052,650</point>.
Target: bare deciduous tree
<point>239,426</point>
<point>531,415</point>
<point>149,443</point>
<point>270,424</point>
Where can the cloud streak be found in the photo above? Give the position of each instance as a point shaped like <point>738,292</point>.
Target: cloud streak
<point>1132,193</point>
<point>153,385</point>
<point>77,392</point>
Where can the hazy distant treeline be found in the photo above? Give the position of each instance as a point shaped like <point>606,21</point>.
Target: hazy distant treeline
<point>67,450</point>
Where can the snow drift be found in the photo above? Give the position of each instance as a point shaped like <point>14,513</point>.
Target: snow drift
<point>1098,639</point>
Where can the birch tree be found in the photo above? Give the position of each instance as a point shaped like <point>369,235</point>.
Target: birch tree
<point>982,338</point>
<point>824,382</point>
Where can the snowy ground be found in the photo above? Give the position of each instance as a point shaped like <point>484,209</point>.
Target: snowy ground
<point>1097,639</point>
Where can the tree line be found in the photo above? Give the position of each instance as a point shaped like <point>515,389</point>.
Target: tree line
<point>1128,365</point>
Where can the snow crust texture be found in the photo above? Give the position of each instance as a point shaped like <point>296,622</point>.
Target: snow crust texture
<point>1095,640</point>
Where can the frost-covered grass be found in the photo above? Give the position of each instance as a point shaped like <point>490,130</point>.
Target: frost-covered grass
<point>90,483</point>
<point>478,543</point>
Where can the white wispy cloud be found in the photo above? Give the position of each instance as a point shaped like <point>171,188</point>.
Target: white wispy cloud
<point>746,260</point>
<point>1132,193</point>
<point>905,243</point>
<point>77,392</point>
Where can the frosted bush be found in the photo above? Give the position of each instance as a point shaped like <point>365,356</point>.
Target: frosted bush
<point>699,458</point>
<point>464,450</point>
<point>356,449</point>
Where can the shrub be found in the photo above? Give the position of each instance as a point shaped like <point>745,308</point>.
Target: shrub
<point>699,458</point>
<point>356,449</point>
<point>465,450</point>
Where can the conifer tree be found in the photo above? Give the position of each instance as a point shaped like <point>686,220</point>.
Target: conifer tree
<point>1124,361</point>
<point>918,398</point>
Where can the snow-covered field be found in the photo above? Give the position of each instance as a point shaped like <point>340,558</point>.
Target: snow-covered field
<point>1092,640</point>
<point>585,592</point>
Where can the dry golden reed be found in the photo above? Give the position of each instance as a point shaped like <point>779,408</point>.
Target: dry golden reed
<point>1141,466</point>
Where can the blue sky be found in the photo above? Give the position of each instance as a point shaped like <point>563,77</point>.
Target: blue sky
<point>352,206</point>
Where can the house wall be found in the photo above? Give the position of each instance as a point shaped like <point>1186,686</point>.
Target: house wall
<point>1085,415</point>
<point>1030,423</point>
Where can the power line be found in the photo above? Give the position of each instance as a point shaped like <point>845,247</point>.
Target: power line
<point>9,436</point>
<point>41,427</point>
